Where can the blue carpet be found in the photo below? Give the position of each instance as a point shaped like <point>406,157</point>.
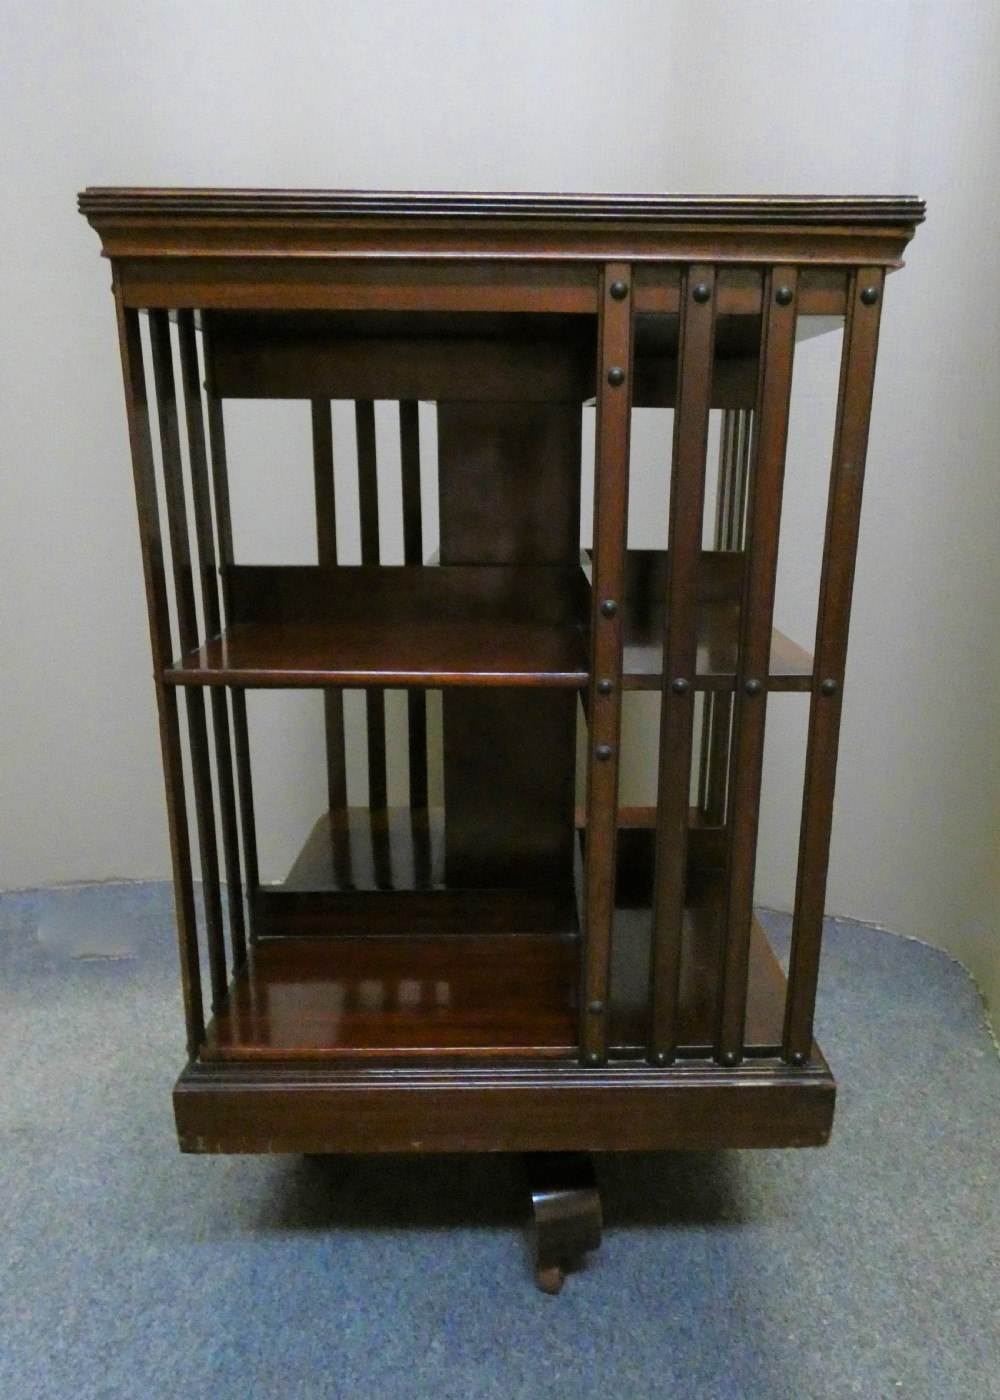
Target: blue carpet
<point>868,1268</point>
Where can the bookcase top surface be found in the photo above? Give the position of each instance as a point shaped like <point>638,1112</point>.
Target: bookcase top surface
<point>367,205</point>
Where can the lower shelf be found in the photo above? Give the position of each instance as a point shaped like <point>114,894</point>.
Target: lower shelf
<point>391,995</point>
<point>462,995</point>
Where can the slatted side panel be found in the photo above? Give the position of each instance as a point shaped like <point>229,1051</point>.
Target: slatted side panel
<point>154,572</point>
<point>864,302</point>
<point>687,498</point>
<point>188,629</point>
<point>212,622</point>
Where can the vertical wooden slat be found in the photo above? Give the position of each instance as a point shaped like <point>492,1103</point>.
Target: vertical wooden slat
<point>364,417</point>
<point>326,552</point>
<point>137,408</point>
<point>413,553</point>
<point>687,501</point>
<point>187,625</point>
<point>857,375</point>
<point>734,462</point>
<point>241,737</point>
<point>767,473</point>
<point>614,398</point>
<point>211,612</point>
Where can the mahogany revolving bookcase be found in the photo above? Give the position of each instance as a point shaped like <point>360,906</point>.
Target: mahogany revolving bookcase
<point>508,958</point>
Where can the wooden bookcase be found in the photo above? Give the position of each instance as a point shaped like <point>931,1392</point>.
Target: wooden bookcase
<point>502,968</point>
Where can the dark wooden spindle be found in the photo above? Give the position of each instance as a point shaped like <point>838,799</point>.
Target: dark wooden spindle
<point>857,375</point>
<point>364,417</point>
<point>241,736</point>
<point>326,551</point>
<point>211,613</point>
<point>687,499</point>
<point>154,573</point>
<point>413,553</point>
<point>767,474</point>
<point>734,463</point>
<point>614,397</point>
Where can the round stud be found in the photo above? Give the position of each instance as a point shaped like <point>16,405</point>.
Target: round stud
<point>604,686</point>
<point>609,607</point>
<point>829,687</point>
<point>616,376</point>
<point>679,686</point>
<point>702,292</point>
<point>729,1058</point>
<point>592,1058</point>
<point>603,752</point>
<point>869,295</point>
<point>797,1059</point>
<point>783,296</point>
<point>659,1058</point>
<point>595,1007</point>
<point>753,687</point>
<point>619,290</point>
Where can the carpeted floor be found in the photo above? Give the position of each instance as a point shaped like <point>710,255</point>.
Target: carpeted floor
<point>869,1268</point>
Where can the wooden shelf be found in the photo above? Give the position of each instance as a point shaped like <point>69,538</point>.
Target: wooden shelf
<point>464,992</point>
<point>492,625</point>
<point>387,995</point>
<point>362,871</point>
<point>718,633</point>
<point>386,654</point>
<point>630,952</point>
<point>717,622</point>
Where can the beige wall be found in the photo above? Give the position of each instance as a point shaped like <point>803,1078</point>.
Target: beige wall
<point>694,95</point>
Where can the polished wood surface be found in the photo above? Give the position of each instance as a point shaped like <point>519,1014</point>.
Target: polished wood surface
<point>186,228</point>
<point>401,995</point>
<point>548,1106</point>
<point>466,993</point>
<point>390,654</point>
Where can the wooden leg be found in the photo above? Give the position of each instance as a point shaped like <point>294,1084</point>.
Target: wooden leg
<point>567,1214</point>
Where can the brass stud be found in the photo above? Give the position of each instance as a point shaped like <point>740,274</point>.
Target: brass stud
<point>702,292</point>
<point>603,752</point>
<point>797,1059</point>
<point>660,1058</point>
<point>619,290</point>
<point>609,607</point>
<point>869,295</point>
<point>616,376</point>
<point>829,687</point>
<point>753,687</point>
<point>729,1058</point>
<point>595,1007</point>
<point>679,686</point>
<point>604,686</point>
<point>592,1058</point>
<point>783,296</point>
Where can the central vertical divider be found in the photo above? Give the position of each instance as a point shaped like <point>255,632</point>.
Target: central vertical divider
<point>614,416</point>
<point>509,481</point>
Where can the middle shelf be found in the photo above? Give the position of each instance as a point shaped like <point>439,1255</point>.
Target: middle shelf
<point>468,624</point>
